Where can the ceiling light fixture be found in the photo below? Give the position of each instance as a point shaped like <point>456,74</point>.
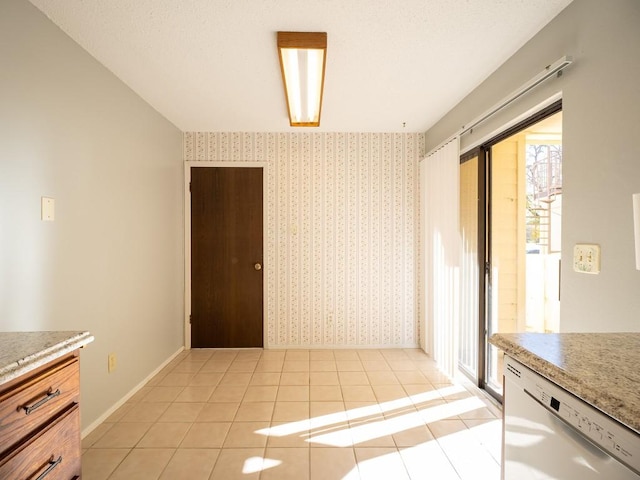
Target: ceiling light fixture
<point>302,61</point>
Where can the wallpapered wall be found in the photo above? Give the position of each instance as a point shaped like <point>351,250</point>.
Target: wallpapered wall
<point>342,255</point>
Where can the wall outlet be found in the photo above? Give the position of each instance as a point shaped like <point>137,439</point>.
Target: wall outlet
<point>112,362</point>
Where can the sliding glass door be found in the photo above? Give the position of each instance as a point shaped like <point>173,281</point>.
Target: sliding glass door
<point>523,236</point>
<point>510,212</point>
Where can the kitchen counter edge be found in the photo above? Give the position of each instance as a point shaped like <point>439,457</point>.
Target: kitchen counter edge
<point>619,404</point>
<point>26,351</point>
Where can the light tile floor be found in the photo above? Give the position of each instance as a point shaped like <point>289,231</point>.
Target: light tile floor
<point>298,414</point>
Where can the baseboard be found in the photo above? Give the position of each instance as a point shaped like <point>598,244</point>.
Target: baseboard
<point>131,393</point>
<point>325,346</point>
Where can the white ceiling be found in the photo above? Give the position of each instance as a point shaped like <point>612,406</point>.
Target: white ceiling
<point>212,65</point>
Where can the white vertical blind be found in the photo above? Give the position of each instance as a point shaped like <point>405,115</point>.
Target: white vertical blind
<point>441,193</point>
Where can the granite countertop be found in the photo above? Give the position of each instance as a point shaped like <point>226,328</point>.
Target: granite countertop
<point>21,352</point>
<point>603,369</point>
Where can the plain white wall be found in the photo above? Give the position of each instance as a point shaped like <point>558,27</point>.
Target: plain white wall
<point>112,262</point>
<point>601,112</point>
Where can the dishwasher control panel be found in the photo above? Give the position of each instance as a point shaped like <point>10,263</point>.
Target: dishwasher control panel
<point>601,430</point>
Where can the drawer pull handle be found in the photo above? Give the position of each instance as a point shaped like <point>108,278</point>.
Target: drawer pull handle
<point>39,403</point>
<point>52,464</point>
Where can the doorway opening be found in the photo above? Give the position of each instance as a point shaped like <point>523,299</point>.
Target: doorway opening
<point>510,221</point>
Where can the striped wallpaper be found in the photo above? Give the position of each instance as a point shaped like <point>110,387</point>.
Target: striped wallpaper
<point>341,259</point>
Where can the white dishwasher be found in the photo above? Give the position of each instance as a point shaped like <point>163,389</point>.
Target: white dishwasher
<point>549,433</point>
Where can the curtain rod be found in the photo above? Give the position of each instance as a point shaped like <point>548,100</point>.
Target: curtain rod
<point>549,71</point>
<point>555,68</point>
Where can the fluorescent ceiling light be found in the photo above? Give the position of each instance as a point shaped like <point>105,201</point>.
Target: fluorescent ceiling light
<point>302,61</point>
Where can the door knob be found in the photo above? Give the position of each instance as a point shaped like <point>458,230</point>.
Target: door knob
<point>257,266</point>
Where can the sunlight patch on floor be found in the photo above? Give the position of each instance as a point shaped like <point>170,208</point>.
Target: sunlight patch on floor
<point>292,428</point>
<point>379,427</point>
<point>362,424</point>
<point>257,464</point>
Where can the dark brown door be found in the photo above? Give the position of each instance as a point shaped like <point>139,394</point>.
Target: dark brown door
<point>226,257</point>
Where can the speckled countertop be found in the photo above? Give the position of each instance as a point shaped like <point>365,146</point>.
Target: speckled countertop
<point>21,352</point>
<point>603,369</point>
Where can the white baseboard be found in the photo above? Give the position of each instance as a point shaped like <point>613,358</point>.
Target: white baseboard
<point>325,346</point>
<point>131,393</point>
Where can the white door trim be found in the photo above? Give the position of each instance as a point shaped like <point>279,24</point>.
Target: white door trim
<point>187,241</point>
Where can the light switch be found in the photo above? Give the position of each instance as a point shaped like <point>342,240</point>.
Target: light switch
<point>586,258</point>
<point>48,209</point>
<point>636,226</point>
<point>112,362</point>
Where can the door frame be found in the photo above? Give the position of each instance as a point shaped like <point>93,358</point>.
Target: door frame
<point>482,209</point>
<point>187,240</point>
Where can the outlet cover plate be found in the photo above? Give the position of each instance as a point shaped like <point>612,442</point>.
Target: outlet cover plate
<point>47,209</point>
<point>586,258</point>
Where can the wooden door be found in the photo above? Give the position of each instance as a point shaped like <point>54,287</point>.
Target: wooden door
<point>226,257</point>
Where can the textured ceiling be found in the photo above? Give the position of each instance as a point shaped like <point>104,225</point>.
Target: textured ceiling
<point>212,65</point>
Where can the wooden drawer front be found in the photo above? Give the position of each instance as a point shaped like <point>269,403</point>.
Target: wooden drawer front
<point>56,451</point>
<point>41,394</point>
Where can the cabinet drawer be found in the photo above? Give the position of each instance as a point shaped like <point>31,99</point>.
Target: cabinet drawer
<point>54,451</point>
<point>32,402</point>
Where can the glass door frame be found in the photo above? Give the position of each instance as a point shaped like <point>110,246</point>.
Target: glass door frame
<point>483,152</point>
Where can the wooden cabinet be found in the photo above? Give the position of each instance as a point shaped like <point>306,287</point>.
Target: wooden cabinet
<point>40,423</point>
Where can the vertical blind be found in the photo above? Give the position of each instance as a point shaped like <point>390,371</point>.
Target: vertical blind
<point>441,193</point>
